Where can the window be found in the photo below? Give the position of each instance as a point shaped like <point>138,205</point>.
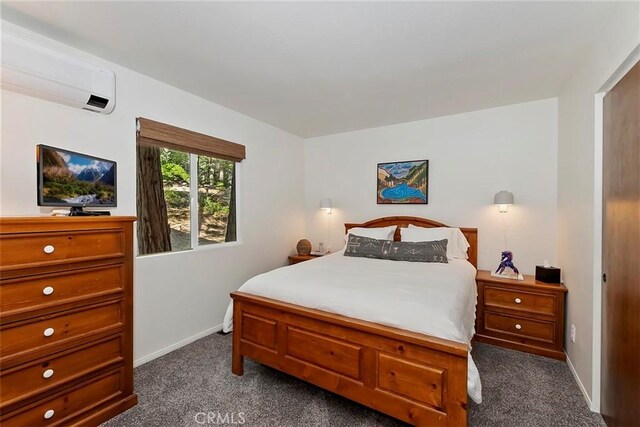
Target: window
<point>186,190</point>
<point>214,187</point>
<point>176,184</point>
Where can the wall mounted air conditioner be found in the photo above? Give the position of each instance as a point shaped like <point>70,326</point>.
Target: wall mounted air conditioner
<point>35,70</point>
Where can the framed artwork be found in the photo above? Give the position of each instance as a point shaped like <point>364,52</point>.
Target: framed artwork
<point>403,183</point>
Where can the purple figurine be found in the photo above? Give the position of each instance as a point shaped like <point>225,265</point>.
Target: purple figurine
<point>506,260</point>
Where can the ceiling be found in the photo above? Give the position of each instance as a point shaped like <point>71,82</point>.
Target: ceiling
<point>314,68</point>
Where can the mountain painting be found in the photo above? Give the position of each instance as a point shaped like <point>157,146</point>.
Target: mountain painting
<point>73,179</point>
<point>403,182</point>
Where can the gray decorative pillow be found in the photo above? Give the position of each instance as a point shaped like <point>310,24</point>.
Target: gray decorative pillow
<point>358,246</point>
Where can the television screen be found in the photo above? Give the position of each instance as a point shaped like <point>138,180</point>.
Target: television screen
<point>66,178</point>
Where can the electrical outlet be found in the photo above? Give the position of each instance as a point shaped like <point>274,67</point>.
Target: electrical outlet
<point>573,333</point>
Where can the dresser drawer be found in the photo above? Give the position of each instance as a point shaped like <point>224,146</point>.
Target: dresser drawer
<point>61,409</point>
<point>37,249</point>
<point>43,291</point>
<point>45,332</point>
<point>519,300</point>
<point>525,328</point>
<point>28,380</point>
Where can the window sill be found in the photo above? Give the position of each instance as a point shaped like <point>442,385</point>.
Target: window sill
<point>213,246</point>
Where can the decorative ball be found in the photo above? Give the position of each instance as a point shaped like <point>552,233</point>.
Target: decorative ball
<point>303,247</point>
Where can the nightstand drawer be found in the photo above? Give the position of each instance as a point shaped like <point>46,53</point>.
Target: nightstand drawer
<point>519,300</point>
<point>525,328</point>
<point>295,259</point>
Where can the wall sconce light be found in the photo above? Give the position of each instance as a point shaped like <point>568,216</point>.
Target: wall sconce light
<point>503,199</point>
<point>506,269</point>
<point>326,205</point>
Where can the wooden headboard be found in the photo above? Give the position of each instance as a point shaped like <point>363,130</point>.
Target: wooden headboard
<point>403,221</point>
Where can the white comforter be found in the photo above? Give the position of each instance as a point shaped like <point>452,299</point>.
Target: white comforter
<point>430,298</point>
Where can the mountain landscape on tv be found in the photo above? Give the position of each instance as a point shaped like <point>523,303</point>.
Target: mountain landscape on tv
<point>75,180</point>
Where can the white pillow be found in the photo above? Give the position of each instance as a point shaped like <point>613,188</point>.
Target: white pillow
<point>457,244</point>
<point>380,233</point>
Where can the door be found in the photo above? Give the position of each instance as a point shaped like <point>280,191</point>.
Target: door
<point>620,400</point>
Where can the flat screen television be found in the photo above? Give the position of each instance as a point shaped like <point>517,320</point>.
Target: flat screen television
<point>70,179</point>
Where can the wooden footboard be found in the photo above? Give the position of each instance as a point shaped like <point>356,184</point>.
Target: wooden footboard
<point>416,378</point>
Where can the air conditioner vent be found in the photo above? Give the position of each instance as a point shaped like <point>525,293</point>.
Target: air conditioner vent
<point>97,101</point>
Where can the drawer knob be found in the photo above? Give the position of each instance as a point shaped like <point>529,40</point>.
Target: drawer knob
<point>518,326</point>
<point>518,300</point>
<point>48,290</point>
<point>48,332</point>
<point>48,373</point>
<point>49,414</point>
<point>49,249</point>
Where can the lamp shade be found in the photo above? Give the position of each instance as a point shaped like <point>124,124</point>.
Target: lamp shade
<point>326,204</point>
<point>503,198</point>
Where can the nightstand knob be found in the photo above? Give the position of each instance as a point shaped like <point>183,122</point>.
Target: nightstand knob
<point>49,249</point>
<point>518,300</point>
<point>48,373</point>
<point>518,326</point>
<point>48,332</point>
<point>48,290</point>
<point>50,413</point>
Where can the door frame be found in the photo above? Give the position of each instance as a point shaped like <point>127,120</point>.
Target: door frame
<point>596,367</point>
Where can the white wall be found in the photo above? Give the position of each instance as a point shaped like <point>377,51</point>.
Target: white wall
<point>579,189</point>
<point>471,157</point>
<point>176,295</point>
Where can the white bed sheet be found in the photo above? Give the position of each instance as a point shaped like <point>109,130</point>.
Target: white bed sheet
<point>430,298</point>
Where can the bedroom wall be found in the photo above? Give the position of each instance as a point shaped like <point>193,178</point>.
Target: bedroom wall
<point>580,190</point>
<point>471,157</point>
<point>180,296</point>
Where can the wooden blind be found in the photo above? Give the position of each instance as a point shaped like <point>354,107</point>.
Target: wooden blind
<point>156,134</point>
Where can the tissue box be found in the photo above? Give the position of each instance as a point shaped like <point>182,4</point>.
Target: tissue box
<point>547,274</point>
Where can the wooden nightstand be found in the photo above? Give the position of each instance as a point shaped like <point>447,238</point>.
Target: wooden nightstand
<point>525,315</point>
<point>294,259</point>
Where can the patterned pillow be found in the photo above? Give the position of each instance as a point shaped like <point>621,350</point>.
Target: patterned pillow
<point>358,246</point>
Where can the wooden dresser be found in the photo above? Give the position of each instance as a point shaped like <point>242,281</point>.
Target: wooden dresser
<point>525,315</point>
<point>66,312</point>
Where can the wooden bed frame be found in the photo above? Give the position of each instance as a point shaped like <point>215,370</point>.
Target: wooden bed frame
<point>416,378</point>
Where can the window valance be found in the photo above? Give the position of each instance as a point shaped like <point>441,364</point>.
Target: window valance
<point>156,134</point>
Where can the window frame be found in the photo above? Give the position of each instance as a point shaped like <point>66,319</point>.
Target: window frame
<point>194,227</point>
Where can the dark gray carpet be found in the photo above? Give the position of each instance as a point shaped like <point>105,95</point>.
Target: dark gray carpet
<point>519,389</point>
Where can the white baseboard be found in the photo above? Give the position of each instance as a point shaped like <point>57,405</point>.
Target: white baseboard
<point>577,378</point>
<point>172,347</point>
